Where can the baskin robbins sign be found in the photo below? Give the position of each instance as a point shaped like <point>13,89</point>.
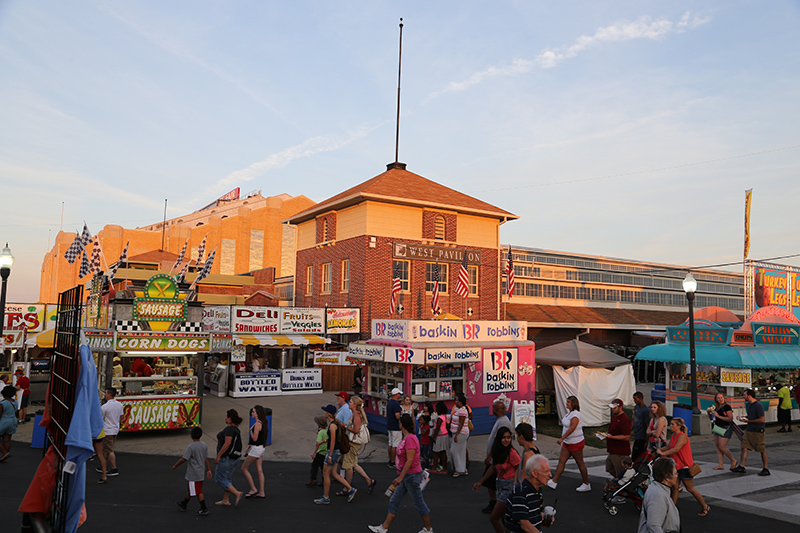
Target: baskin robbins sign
<point>500,370</point>
<point>452,355</point>
<point>449,330</point>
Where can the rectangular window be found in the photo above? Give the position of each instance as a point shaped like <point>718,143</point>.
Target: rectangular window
<point>345,275</point>
<point>309,279</point>
<point>256,249</point>
<point>326,278</point>
<point>442,277</point>
<point>402,268</point>
<point>227,265</point>
<point>473,279</point>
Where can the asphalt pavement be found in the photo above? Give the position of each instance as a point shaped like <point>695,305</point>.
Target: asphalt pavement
<point>143,496</point>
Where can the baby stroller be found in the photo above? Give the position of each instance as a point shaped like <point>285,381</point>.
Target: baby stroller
<point>616,493</point>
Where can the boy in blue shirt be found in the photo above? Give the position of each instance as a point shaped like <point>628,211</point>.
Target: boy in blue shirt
<point>195,455</point>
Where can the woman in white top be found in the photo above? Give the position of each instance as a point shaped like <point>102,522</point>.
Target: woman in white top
<point>572,443</point>
<point>459,429</point>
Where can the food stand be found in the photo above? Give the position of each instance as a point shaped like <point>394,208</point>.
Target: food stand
<point>758,354</point>
<point>433,360</point>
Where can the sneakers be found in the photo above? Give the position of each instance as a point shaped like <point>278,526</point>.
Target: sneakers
<point>378,529</point>
<point>203,511</point>
<point>585,487</point>
<point>101,481</point>
<point>351,494</point>
<point>322,501</point>
<point>426,530</point>
<point>113,472</point>
<point>739,469</point>
<point>390,465</point>
<point>98,470</point>
<point>181,505</point>
<point>459,474</point>
<point>311,483</point>
<point>552,484</point>
<point>782,430</point>
<point>764,472</point>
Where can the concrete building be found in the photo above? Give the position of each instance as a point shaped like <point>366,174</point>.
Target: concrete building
<point>246,232</point>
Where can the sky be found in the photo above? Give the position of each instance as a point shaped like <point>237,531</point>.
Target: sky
<point>626,129</point>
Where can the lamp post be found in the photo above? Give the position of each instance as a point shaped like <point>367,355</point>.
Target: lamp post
<point>690,286</point>
<point>6,260</point>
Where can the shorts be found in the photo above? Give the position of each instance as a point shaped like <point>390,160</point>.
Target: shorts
<point>395,438</point>
<point>335,455</point>
<point>491,481</point>
<point>108,444</point>
<point>224,471</point>
<point>728,432</point>
<point>25,399</point>
<point>351,458</point>
<point>754,440</point>
<point>255,451</point>
<point>683,473</point>
<point>614,464</point>
<point>441,444</point>
<point>578,446</point>
<point>504,488</point>
<point>195,488</point>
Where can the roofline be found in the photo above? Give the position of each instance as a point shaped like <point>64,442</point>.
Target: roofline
<point>360,197</point>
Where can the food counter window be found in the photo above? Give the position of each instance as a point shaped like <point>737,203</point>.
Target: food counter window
<point>707,379</point>
<point>436,382</point>
<point>383,377</point>
<point>164,375</point>
<point>765,382</point>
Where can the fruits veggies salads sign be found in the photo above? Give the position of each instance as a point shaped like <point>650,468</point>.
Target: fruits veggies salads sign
<point>159,413</point>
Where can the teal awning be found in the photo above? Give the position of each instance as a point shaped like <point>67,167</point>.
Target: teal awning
<point>728,356</point>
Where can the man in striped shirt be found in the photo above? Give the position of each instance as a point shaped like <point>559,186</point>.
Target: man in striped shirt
<point>524,506</point>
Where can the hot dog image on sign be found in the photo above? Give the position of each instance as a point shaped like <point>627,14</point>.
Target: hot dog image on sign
<point>500,372</point>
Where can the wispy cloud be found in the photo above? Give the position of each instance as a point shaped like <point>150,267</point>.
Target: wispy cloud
<point>642,28</point>
<point>308,148</point>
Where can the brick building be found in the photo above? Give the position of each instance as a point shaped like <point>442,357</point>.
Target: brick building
<point>349,246</point>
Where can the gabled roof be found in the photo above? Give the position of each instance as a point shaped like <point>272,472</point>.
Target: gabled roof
<point>399,186</point>
<point>598,317</point>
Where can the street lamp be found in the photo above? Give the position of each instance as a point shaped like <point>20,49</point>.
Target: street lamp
<point>6,260</point>
<point>690,286</point>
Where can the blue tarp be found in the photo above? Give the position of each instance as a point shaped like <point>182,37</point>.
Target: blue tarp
<point>727,356</point>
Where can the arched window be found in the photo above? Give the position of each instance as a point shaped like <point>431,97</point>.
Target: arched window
<point>438,228</point>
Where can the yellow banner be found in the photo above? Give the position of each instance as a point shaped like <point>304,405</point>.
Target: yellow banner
<point>748,198</point>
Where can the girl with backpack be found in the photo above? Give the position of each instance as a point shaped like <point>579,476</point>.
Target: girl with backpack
<point>441,440</point>
<point>338,444</point>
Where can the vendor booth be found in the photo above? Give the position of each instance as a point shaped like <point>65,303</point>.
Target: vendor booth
<point>594,375</point>
<point>434,360</point>
<point>761,353</point>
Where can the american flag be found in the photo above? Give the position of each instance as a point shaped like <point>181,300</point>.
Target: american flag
<point>94,264</point>
<point>435,296</point>
<point>181,255</point>
<point>84,271</point>
<point>206,270</point>
<point>397,286</point>
<point>462,285</point>
<point>201,250</point>
<point>122,259</point>
<point>510,274</point>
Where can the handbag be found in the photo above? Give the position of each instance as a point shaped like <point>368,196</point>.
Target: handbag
<point>718,430</point>
<point>362,437</point>
<point>695,469</point>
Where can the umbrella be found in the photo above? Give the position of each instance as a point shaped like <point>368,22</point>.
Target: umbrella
<point>577,353</point>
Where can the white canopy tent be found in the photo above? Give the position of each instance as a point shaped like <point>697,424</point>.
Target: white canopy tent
<point>594,375</point>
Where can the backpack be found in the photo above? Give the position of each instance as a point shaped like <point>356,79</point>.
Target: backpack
<point>342,441</point>
<point>236,447</point>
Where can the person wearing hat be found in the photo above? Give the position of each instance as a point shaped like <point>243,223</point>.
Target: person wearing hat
<point>117,372</point>
<point>332,459</point>
<point>343,412</point>
<point>395,434</point>
<point>24,385</point>
<point>618,439</point>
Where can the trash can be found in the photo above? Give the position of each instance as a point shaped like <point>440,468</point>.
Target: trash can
<point>268,412</point>
<point>659,393</point>
<point>39,437</point>
<point>684,411</point>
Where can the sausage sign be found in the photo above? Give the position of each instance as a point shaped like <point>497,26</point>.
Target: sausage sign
<point>159,413</point>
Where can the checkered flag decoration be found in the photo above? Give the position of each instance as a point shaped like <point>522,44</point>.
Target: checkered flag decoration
<point>206,270</point>
<point>182,275</point>
<point>181,255</point>
<point>201,250</point>
<point>78,245</point>
<point>94,264</point>
<point>122,259</point>
<point>84,271</point>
